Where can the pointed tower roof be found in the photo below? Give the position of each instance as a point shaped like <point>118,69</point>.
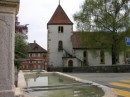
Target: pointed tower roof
<point>59,17</point>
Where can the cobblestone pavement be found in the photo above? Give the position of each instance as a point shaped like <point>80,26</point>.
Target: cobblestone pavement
<point>120,82</point>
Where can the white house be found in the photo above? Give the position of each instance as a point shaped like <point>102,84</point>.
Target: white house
<point>67,48</point>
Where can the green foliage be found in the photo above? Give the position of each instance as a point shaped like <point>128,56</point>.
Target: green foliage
<point>96,39</point>
<point>103,40</point>
<point>21,48</point>
<point>105,16</point>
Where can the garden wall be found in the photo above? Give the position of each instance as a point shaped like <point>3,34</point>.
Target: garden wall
<point>93,69</point>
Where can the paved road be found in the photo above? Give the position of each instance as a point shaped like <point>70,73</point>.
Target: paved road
<point>120,82</point>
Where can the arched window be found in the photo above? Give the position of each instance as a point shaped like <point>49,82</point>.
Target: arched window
<point>85,58</point>
<point>102,57</point>
<point>70,63</point>
<point>60,45</point>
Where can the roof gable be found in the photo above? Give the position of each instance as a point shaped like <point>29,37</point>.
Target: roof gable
<point>59,17</point>
<point>35,48</point>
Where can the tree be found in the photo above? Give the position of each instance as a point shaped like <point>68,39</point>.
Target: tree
<point>21,48</point>
<point>107,16</point>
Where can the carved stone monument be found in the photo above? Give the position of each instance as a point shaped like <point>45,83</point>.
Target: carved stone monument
<point>8,11</point>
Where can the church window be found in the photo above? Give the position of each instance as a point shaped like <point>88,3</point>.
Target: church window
<point>60,29</point>
<point>85,54</point>
<point>60,45</point>
<point>85,58</point>
<point>102,57</point>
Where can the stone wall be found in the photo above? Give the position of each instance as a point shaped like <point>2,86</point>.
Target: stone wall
<point>93,69</point>
<point>8,11</point>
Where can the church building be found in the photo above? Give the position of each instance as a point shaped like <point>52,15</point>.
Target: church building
<point>67,48</point>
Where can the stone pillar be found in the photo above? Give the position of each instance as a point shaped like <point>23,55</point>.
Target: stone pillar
<point>8,11</point>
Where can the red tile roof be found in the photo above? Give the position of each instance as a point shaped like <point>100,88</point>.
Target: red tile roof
<point>76,41</point>
<point>84,40</point>
<point>59,17</point>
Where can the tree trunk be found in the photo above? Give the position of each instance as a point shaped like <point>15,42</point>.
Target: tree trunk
<point>114,45</point>
<point>114,54</point>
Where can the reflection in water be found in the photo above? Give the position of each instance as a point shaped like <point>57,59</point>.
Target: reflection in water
<point>53,86</point>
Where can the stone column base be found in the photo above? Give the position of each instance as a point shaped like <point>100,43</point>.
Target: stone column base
<point>7,93</point>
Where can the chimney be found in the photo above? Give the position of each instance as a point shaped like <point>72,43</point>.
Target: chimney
<point>34,41</point>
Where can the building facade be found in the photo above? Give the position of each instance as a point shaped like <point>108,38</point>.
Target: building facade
<point>66,47</point>
<point>60,29</point>
<point>37,58</point>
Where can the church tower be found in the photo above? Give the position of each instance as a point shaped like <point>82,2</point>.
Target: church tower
<point>60,29</point>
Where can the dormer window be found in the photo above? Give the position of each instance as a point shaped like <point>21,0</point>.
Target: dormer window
<point>60,29</point>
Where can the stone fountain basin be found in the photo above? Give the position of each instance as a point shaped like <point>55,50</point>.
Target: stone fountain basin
<point>108,92</point>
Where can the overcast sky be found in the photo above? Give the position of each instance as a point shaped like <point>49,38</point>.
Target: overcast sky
<point>37,13</point>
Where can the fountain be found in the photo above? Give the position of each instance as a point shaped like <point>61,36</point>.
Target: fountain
<point>8,11</point>
<point>56,84</point>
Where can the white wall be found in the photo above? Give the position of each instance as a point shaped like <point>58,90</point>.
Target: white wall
<point>94,57</point>
<point>121,59</point>
<point>55,56</point>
